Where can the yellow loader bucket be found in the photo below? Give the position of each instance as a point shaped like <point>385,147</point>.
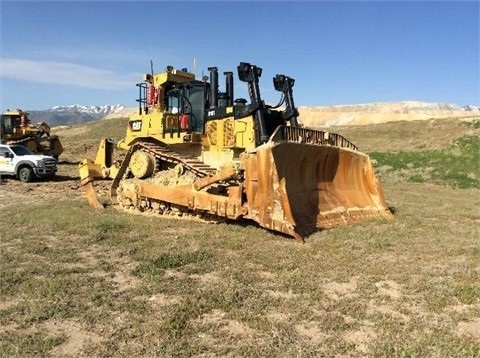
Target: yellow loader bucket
<point>301,185</point>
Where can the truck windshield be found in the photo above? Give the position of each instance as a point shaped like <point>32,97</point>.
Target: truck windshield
<point>20,150</point>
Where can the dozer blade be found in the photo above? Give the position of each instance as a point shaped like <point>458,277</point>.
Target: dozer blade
<point>297,188</point>
<point>92,196</point>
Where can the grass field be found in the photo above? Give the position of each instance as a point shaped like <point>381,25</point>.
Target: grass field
<point>76,282</point>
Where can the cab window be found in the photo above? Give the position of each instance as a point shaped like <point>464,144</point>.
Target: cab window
<point>196,97</point>
<point>9,123</point>
<point>172,101</point>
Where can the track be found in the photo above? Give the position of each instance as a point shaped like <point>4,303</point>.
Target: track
<point>22,141</point>
<point>43,145</point>
<point>161,154</point>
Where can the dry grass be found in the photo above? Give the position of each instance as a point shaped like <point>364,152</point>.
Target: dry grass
<point>77,282</point>
<point>409,136</point>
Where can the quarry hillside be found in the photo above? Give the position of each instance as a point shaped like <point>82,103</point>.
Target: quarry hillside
<point>376,113</point>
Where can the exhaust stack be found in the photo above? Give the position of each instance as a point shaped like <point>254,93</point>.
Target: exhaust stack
<point>229,87</point>
<point>213,87</point>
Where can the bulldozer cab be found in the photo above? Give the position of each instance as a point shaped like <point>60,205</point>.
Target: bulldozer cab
<point>9,121</point>
<point>16,124</point>
<point>171,109</point>
<point>189,101</point>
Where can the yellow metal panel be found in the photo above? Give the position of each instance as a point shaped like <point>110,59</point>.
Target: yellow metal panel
<point>172,76</point>
<point>244,133</point>
<point>211,132</point>
<point>228,133</point>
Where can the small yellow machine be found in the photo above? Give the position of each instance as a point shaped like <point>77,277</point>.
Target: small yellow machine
<point>193,149</point>
<point>15,128</point>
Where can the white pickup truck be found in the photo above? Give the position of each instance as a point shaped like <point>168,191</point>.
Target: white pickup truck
<point>19,161</point>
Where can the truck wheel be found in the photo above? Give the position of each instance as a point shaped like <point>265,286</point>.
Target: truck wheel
<point>25,174</point>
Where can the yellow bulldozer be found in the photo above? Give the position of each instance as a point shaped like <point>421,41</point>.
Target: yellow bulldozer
<point>15,128</point>
<point>192,149</point>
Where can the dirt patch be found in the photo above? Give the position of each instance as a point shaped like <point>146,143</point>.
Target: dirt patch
<point>208,278</point>
<point>471,328</point>
<point>227,326</point>
<point>361,338</point>
<point>278,316</point>
<point>283,295</point>
<point>162,300</point>
<point>77,337</point>
<point>312,332</point>
<point>337,291</point>
<point>389,288</point>
<point>375,308</point>
<point>237,328</point>
<point>13,191</point>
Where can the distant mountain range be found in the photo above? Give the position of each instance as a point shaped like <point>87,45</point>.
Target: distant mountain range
<point>334,115</point>
<point>64,115</point>
<point>471,108</point>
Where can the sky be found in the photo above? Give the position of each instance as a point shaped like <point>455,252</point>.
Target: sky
<point>339,52</point>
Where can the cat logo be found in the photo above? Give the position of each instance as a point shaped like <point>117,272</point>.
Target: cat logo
<point>136,126</point>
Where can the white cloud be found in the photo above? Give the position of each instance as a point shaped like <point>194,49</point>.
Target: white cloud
<point>63,73</point>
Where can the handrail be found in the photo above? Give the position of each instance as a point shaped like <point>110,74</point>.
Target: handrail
<point>310,136</point>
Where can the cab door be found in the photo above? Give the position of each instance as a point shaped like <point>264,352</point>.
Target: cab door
<point>196,107</point>
<point>5,161</point>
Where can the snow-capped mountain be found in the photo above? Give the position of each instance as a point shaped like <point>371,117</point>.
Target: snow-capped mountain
<point>94,110</point>
<point>471,108</point>
<point>61,115</point>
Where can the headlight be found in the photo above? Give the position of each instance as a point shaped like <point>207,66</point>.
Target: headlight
<point>41,164</point>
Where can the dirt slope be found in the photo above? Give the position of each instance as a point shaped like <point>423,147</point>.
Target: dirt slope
<point>375,113</point>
